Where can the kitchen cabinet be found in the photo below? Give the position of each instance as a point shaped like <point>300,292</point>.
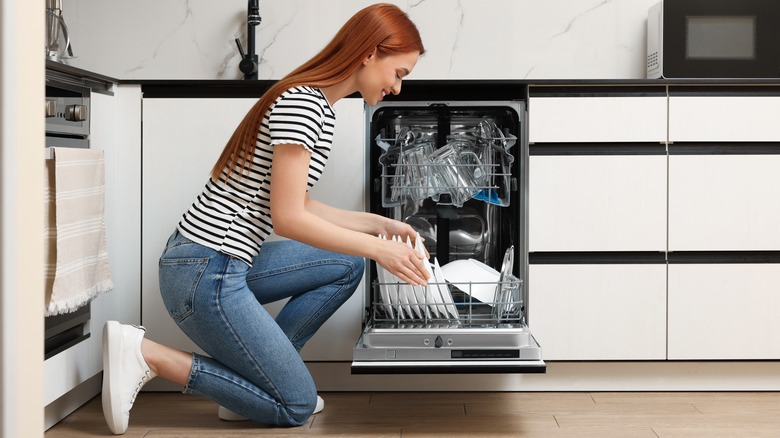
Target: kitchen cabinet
<point>723,118</point>
<point>724,311</point>
<point>583,119</point>
<point>72,377</point>
<point>182,138</point>
<point>616,201</point>
<point>724,202</point>
<point>599,312</point>
<point>598,185</point>
<point>718,235</point>
<point>597,202</point>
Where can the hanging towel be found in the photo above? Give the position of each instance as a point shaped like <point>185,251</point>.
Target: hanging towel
<point>76,266</point>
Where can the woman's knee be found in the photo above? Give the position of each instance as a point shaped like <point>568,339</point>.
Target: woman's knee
<point>296,414</point>
<point>358,265</point>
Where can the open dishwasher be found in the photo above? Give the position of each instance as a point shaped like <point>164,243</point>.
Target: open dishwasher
<point>457,173</point>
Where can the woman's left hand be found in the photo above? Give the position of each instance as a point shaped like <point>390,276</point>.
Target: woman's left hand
<point>392,227</point>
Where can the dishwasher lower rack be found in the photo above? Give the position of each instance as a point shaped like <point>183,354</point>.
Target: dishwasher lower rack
<point>483,337</point>
<point>472,304</point>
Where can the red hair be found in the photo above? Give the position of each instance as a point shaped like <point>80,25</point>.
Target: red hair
<point>382,26</point>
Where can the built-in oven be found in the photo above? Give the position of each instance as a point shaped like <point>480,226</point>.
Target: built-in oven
<point>67,125</point>
<point>67,114</point>
<point>456,171</point>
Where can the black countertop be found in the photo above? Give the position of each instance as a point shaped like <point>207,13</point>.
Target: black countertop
<point>463,89</point>
<point>483,89</point>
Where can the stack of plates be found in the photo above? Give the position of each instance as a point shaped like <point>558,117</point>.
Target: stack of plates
<point>404,301</point>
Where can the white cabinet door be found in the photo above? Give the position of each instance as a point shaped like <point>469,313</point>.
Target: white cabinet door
<point>597,203</point>
<point>724,118</point>
<point>115,128</point>
<point>599,312</point>
<point>182,138</point>
<point>724,311</point>
<point>597,119</point>
<point>724,202</point>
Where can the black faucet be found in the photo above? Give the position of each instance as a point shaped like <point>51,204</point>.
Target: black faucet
<point>249,60</point>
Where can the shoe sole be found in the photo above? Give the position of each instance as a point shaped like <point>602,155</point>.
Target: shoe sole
<point>112,404</point>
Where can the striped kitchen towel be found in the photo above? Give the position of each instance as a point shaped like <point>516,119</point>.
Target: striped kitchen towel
<point>76,265</point>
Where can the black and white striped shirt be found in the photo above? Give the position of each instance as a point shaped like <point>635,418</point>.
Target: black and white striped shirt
<point>233,215</point>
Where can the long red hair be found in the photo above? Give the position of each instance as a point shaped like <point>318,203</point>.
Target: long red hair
<point>382,26</point>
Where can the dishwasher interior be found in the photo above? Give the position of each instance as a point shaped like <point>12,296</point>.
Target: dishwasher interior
<point>456,172</point>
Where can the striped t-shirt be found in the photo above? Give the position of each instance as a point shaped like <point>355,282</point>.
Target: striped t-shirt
<point>233,215</point>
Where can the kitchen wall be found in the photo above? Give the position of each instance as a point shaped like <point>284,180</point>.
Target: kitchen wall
<point>465,39</point>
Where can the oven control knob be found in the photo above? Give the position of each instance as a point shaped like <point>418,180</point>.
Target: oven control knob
<point>76,113</point>
<point>51,108</point>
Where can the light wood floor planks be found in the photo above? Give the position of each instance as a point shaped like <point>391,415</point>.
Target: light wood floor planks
<point>462,414</point>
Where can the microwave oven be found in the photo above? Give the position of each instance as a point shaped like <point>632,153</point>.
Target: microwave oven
<point>714,39</point>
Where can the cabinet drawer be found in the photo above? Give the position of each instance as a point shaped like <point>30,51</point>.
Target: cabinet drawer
<point>599,312</point>
<point>723,311</point>
<point>597,203</point>
<point>724,202</point>
<point>724,118</point>
<point>597,119</point>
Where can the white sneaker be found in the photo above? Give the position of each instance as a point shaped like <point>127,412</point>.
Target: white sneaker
<point>124,372</point>
<point>228,415</point>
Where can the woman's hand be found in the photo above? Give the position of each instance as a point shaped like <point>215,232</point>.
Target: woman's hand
<point>390,227</point>
<point>402,261</point>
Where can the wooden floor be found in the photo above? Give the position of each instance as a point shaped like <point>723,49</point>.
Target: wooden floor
<point>469,414</point>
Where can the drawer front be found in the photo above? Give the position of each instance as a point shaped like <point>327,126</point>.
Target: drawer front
<point>724,118</point>
<point>724,202</point>
<point>599,312</point>
<point>597,119</point>
<point>597,203</point>
<point>724,311</point>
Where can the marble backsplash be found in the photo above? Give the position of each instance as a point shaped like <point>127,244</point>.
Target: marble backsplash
<point>464,39</point>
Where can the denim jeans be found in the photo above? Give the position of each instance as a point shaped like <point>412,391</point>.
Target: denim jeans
<point>254,367</point>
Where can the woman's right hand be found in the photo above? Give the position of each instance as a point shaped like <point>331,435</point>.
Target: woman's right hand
<point>402,261</point>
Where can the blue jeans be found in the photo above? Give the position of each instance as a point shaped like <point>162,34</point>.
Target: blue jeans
<point>254,368</point>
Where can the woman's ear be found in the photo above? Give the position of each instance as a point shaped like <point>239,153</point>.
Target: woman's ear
<point>371,55</point>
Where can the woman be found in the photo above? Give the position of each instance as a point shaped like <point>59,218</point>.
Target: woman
<point>216,272</point>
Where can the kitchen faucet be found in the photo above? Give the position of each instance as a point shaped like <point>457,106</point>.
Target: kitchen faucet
<point>249,60</point>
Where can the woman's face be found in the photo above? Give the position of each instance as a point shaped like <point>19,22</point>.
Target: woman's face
<point>382,75</point>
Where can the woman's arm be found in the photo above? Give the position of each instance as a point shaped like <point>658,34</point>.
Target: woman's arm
<point>354,220</point>
<point>363,222</point>
<point>297,217</point>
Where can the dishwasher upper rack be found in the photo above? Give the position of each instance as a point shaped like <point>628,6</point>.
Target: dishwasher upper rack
<point>418,171</point>
<point>401,305</point>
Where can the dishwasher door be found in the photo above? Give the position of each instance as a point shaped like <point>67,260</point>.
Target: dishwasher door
<point>462,321</point>
<point>444,328</point>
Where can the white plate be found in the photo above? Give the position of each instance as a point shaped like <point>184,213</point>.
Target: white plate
<point>384,293</point>
<point>473,277</point>
<point>406,294</point>
<point>449,303</point>
<point>430,294</point>
<point>419,291</point>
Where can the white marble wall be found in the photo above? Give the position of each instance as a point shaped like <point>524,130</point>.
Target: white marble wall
<point>465,39</point>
